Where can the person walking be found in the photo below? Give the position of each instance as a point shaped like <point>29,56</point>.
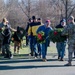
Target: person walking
<point>69,30</point>
<point>61,45</point>
<point>27,39</point>
<point>17,37</point>
<point>33,26</point>
<point>46,28</point>
<point>6,42</point>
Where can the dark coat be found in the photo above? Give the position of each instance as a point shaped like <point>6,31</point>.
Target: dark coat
<point>17,36</point>
<point>7,36</point>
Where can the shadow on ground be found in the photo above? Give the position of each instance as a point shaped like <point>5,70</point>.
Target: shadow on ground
<point>28,67</point>
<point>23,60</point>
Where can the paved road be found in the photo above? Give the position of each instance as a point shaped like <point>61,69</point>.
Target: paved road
<point>26,66</point>
<point>30,66</point>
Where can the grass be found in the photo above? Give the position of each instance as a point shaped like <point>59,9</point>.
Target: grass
<point>26,49</point>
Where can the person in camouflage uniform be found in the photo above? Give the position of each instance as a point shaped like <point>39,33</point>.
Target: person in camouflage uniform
<point>2,24</point>
<point>2,27</point>
<point>6,42</point>
<point>69,30</point>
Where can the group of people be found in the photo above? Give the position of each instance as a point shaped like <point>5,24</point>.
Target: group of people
<point>6,37</point>
<point>36,26</point>
<point>39,49</point>
<point>68,31</point>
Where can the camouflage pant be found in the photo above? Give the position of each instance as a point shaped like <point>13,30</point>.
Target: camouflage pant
<point>71,49</point>
<point>6,50</point>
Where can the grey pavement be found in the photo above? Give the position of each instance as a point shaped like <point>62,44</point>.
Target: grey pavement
<point>26,65</point>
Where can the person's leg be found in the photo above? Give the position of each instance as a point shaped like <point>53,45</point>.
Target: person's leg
<point>70,52</point>
<point>14,46</point>
<point>3,50</point>
<point>58,46</point>
<point>31,46</point>
<point>18,47</point>
<point>43,51</point>
<point>39,49</point>
<point>35,47</point>
<point>63,45</point>
<point>46,45</point>
<point>8,52</point>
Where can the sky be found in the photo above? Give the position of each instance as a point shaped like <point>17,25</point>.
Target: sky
<point>20,1</point>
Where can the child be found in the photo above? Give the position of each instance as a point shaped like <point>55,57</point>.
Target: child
<point>17,39</point>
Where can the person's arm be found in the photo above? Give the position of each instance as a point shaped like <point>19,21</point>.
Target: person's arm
<point>12,29</point>
<point>27,27</point>
<point>38,30</point>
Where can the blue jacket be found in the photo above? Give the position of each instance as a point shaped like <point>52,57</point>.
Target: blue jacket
<point>45,29</point>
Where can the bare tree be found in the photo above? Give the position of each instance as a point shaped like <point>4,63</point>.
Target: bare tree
<point>69,8</point>
<point>3,10</point>
<point>25,6</point>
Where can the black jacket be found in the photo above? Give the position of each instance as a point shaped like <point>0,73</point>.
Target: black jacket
<point>7,36</point>
<point>59,26</point>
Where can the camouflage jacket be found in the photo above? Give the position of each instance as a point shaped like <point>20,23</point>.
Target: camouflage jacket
<point>69,30</point>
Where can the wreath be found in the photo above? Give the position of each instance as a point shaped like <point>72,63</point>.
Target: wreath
<point>56,35</point>
<point>40,37</point>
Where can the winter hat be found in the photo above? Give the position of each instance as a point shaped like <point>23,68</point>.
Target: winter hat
<point>63,20</point>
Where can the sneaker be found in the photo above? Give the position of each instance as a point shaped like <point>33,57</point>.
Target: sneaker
<point>18,52</point>
<point>68,64</point>
<point>58,58</point>
<point>36,57</point>
<point>61,59</point>
<point>11,57</point>
<point>44,60</point>
<point>30,54</point>
<point>74,57</point>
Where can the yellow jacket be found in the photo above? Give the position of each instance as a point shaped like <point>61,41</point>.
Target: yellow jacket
<point>33,28</point>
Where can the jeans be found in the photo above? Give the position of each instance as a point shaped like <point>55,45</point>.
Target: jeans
<point>61,48</point>
<point>44,49</point>
<point>33,46</point>
<point>39,49</point>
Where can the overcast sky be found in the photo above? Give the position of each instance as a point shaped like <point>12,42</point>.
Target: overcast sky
<point>20,0</point>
